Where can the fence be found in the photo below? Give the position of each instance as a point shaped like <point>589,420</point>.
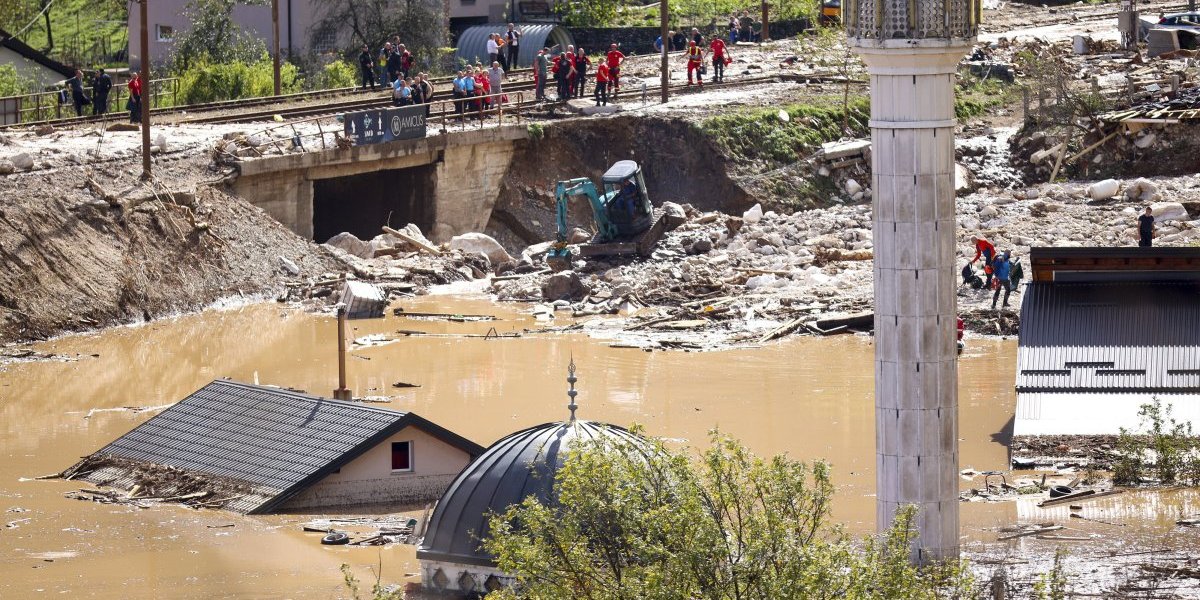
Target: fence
<point>444,113</point>
<point>44,106</point>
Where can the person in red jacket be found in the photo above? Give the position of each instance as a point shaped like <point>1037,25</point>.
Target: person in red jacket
<point>614,60</point>
<point>985,249</point>
<point>602,80</point>
<point>695,62</point>
<point>135,98</point>
<point>717,46</point>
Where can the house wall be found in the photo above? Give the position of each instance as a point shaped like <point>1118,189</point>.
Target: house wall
<point>254,19</point>
<point>28,69</point>
<point>369,479</point>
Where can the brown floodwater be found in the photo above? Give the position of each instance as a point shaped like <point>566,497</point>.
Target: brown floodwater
<point>810,398</point>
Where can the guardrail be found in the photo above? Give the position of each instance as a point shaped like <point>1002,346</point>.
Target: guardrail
<point>45,106</point>
<point>445,113</point>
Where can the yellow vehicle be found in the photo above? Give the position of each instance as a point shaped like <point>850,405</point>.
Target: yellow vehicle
<point>831,12</point>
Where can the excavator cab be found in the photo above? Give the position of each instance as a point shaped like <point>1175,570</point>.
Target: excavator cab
<point>625,199</point>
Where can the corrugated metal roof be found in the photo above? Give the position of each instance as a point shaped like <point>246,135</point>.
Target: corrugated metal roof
<point>1134,337</point>
<point>520,465</point>
<point>268,438</point>
<point>472,44</point>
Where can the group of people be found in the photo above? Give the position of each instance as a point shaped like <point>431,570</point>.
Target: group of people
<point>569,69</point>
<point>478,88</point>
<point>696,51</point>
<point>997,267</point>
<point>101,84</point>
<point>504,48</point>
<point>393,62</point>
<point>407,91</point>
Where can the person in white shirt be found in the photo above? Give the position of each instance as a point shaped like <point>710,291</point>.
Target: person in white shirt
<point>493,48</point>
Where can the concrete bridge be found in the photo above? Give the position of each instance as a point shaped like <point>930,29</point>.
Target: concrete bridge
<point>446,184</point>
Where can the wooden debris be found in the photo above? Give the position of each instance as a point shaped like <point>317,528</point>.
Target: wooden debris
<point>1078,496</point>
<point>782,330</point>
<point>408,238</point>
<point>400,312</point>
<point>1029,532</point>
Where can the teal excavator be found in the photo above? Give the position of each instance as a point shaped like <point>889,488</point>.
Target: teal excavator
<point>626,222</point>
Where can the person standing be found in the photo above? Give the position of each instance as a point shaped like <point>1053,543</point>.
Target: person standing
<point>678,41</point>
<point>697,38</point>
<point>985,249</point>
<point>602,77</point>
<point>614,58</point>
<point>718,59</point>
<point>733,28</point>
<point>564,68</point>
<point>541,64</point>
<point>406,61</point>
<point>135,98</point>
<point>493,48</point>
<point>78,97</point>
<point>384,53</point>
<point>582,62</point>
<point>1002,268</point>
<point>459,92</point>
<point>101,85</point>
<point>695,61</point>
<point>367,66</point>
<point>426,91</point>
<point>513,39</point>
<point>394,61</point>
<point>1146,229</point>
<point>495,76</point>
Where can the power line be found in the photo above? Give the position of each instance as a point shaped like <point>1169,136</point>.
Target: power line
<point>35,20</point>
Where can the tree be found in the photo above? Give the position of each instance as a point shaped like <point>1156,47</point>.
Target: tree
<point>421,25</point>
<point>646,522</point>
<point>213,37</point>
<point>588,13</point>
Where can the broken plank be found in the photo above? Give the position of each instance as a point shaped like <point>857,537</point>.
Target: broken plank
<point>1072,538</point>
<point>400,312</point>
<point>1081,498</point>
<point>1040,530</point>
<point>782,330</point>
<point>412,240</point>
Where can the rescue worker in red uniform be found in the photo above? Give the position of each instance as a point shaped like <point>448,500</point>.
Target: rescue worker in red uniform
<point>988,251</point>
<point>695,62</point>
<point>718,59</point>
<point>614,59</point>
<point>602,81</point>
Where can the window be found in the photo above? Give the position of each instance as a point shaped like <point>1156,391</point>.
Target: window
<point>401,456</point>
<point>165,33</point>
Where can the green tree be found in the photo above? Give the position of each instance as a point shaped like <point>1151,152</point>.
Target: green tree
<point>643,521</point>
<point>588,13</point>
<point>11,82</point>
<point>213,37</point>
<point>348,24</point>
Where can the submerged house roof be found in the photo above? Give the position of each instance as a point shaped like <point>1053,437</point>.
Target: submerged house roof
<point>267,443</point>
<point>1104,331</point>
<point>28,53</point>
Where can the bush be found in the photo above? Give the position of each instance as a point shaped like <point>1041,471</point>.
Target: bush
<point>205,82</point>
<point>1170,445</point>
<point>337,74</point>
<point>11,82</point>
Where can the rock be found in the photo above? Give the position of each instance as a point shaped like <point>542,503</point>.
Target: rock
<point>1145,140</point>
<point>852,187</point>
<point>578,235</point>
<point>564,285</point>
<point>480,243</point>
<point>349,243</point>
<point>1169,211</point>
<point>161,141</point>
<point>988,212</point>
<point>1141,190</point>
<point>124,127</point>
<point>531,253</point>
<point>701,246</point>
<point>7,167</point>
<point>22,161</point>
<point>43,130</point>
<point>733,225</point>
<point>1102,190</point>
<point>963,180</point>
<point>289,266</point>
<point>675,214</point>
<point>759,281</point>
<point>753,215</point>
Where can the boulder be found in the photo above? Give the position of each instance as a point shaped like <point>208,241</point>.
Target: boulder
<point>701,246</point>
<point>675,214</point>
<point>564,285</point>
<point>22,161</point>
<point>963,179</point>
<point>1169,211</point>
<point>480,243</point>
<point>753,215</point>
<point>7,167</point>
<point>988,212</point>
<point>852,187</point>
<point>578,235</point>
<point>349,243</point>
<point>288,265</point>
<point>760,281</point>
<point>1145,140</point>
<point>1141,190</point>
<point>1102,190</point>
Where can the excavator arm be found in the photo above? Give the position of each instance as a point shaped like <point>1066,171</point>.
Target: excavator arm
<point>581,186</point>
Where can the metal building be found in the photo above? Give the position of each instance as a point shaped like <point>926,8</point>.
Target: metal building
<point>472,44</point>
<point>1104,331</point>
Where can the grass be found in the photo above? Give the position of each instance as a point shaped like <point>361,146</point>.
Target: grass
<point>87,33</point>
<point>974,96</point>
<point>761,136</point>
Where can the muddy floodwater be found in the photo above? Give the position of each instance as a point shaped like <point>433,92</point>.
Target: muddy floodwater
<point>808,397</point>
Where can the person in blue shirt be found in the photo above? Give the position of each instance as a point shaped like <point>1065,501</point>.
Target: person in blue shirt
<point>1001,269</point>
<point>658,44</point>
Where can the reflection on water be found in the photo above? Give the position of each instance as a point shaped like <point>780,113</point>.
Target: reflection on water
<point>810,398</point>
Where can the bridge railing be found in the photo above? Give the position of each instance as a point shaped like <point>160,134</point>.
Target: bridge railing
<point>447,115</point>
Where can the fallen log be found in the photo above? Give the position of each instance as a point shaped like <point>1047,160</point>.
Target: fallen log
<point>861,321</point>
<point>1021,534</point>
<point>782,330</point>
<point>408,238</point>
<point>1080,496</point>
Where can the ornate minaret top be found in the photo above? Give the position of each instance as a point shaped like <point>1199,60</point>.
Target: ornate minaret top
<point>878,22</point>
<point>571,393</point>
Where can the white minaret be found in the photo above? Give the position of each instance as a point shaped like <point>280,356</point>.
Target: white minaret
<point>912,49</point>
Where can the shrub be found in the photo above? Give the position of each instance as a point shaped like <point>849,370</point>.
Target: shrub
<point>11,82</point>
<point>205,82</point>
<point>337,74</point>
<point>1169,444</point>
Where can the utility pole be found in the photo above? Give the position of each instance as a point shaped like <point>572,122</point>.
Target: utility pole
<point>663,12</point>
<point>146,91</point>
<point>766,19</point>
<point>275,24</point>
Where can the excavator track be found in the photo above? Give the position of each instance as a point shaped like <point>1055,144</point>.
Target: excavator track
<point>641,245</point>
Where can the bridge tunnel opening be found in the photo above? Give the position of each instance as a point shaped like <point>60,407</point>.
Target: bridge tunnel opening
<point>362,204</point>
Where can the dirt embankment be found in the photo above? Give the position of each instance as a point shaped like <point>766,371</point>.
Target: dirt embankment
<point>68,263</point>
<point>679,162</point>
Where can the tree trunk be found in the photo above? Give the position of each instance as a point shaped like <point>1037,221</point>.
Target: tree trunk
<point>49,32</point>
